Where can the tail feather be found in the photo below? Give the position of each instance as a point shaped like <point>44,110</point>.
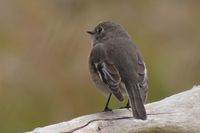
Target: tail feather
<point>136,101</point>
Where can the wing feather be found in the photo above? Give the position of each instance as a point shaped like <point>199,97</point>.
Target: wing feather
<point>109,74</point>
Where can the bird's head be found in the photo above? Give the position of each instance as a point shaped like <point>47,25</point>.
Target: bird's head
<point>107,30</point>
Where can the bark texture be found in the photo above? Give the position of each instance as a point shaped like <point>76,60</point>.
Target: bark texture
<point>179,113</point>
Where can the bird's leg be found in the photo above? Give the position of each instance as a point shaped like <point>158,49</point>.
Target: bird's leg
<point>107,103</point>
<point>127,106</point>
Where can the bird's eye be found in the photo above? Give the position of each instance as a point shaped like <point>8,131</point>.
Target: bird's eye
<point>100,29</point>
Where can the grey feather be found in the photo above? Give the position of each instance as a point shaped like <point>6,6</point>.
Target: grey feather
<point>118,64</point>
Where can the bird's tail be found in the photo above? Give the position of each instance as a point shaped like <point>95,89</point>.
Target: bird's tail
<point>136,101</point>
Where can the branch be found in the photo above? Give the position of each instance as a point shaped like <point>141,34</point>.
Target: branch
<point>179,113</point>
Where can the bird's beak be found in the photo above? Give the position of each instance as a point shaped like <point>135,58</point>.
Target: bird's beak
<point>91,32</point>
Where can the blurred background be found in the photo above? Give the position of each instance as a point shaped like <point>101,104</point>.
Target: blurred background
<point>44,51</point>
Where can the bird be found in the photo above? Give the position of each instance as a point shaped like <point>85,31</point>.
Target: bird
<point>117,67</point>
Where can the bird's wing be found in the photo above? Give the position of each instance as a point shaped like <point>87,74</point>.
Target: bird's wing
<point>109,74</point>
<point>142,78</point>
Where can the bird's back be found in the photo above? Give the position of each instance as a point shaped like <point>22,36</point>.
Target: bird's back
<point>125,53</point>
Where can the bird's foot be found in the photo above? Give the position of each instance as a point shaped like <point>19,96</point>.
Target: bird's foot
<point>107,109</point>
<point>125,107</point>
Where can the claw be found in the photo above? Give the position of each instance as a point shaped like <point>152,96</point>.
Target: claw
<point>107,109</point>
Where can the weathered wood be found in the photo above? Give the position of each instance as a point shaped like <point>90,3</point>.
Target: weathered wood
<point>179,113</point>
